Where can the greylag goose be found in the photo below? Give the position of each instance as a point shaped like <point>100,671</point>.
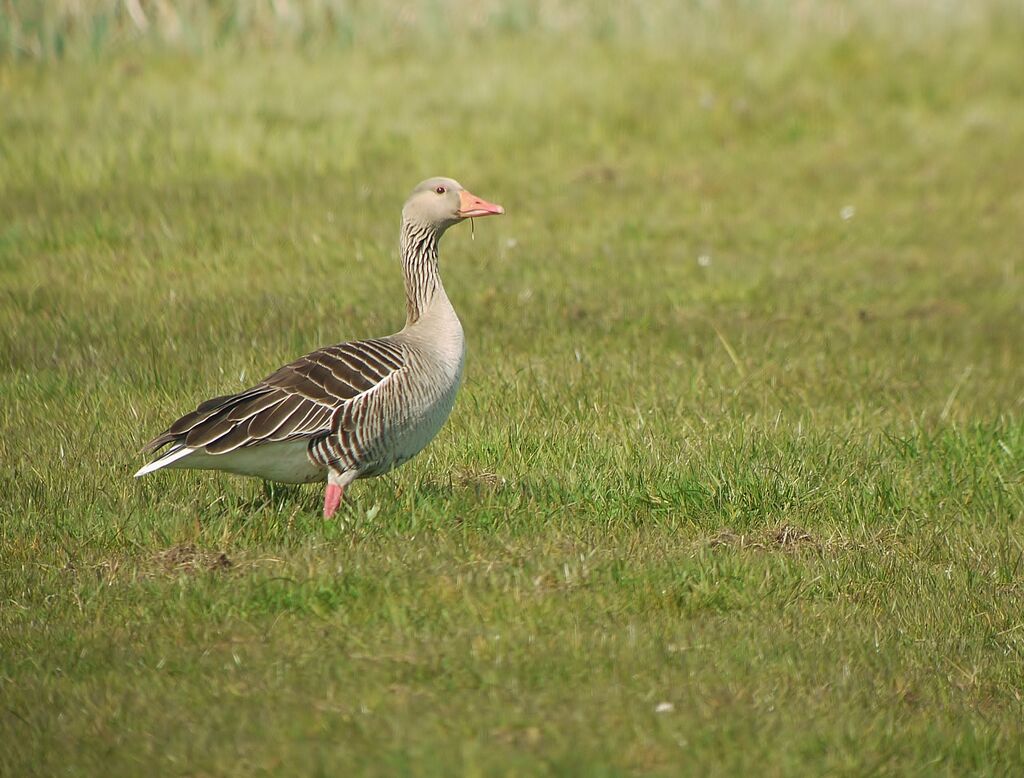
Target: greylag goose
<point>356,409</point>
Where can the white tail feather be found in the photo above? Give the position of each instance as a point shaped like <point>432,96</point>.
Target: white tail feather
<point>164,461</point>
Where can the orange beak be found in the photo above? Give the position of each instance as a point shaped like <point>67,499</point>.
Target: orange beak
<point>471,206</point>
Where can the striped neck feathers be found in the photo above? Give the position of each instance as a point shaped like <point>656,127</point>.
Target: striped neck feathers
<point>419,264</point>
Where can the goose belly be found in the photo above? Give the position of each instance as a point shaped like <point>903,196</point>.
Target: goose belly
<point>286,462</point>
<point>414,426</point>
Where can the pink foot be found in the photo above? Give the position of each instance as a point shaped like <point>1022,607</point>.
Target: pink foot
<point>332,499</point>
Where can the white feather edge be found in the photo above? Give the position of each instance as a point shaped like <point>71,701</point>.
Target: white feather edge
<point>164,461</point>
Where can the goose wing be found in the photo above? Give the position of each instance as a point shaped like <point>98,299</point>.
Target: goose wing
<point>297,401</point>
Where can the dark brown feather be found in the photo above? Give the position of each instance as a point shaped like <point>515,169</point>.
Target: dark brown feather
<point>208,409</point>
<point>203,412</point>
<point>345,371</point>
<point>361,363</point>
<point>289,427</point>
<point>387,353</point>
<point>299,400</point>
<point>266,423</point>
<point>248,408</point>
<point>235,438</point>
<point>208,431</point>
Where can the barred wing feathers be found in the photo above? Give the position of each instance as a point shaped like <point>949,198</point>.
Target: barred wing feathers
<point>298,401</point>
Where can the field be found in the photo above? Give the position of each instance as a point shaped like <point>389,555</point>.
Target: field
<point>735,482</point>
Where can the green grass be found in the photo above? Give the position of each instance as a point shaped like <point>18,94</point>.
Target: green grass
<point>779,488</point>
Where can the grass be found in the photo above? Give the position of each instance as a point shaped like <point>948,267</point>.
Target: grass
<point>735,482</point>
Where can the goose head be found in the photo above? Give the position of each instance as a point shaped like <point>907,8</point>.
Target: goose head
<point>438,203</point>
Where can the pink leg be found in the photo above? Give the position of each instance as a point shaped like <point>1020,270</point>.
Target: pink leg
<point>332,499</point>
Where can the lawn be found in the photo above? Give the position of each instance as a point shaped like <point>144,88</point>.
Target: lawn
<point>735,481</point>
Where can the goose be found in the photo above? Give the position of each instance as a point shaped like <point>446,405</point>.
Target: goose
<point>356,409</point>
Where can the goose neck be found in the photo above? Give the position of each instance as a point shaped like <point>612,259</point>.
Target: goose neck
<point>420,267</point>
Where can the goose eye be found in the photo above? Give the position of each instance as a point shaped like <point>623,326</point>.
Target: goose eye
<point>440,190</point>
